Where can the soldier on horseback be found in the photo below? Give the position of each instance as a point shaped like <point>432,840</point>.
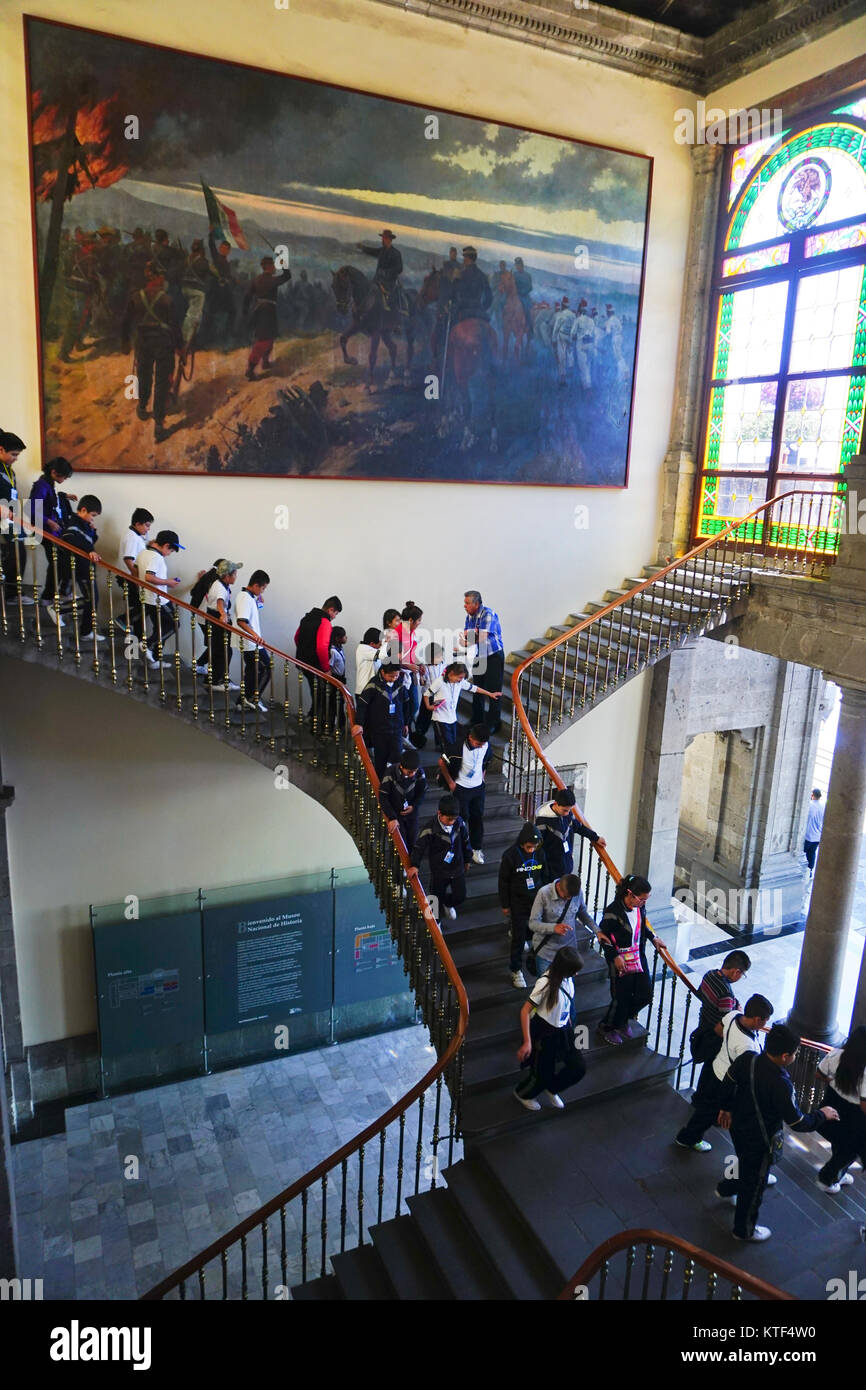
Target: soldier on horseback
<point>389,268</point>
<point>471,295</point>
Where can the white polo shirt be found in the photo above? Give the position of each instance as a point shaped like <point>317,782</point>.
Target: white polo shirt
<point>154,562</point>
<point>131,547</point>
<point>248,609</point>
<point>446,695</point>
<point>560,1014</point>
<point>471,772</point>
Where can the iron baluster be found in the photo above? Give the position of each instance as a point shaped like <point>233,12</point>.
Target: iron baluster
<point>244,1290</point>
<point>304,1234</point>
<point>666,1273</point>
<point>201,1289</point>
<point>224,1269</point>
<point>602,1282</point>
<point>629,1266</point>
<point>647,1271</point>
<point>284,1274</point>
<point>674,982</point>
<point>343,1171</point>
<point>380,1183</point>
<point>361,1194</point>
<point>324,1181</point>
<point>265,1261</point>
<point>683,1038</point>
<point>402,1129</point>
<point>661,1004</point>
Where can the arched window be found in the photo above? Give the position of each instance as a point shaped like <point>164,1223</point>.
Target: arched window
<point>785,396</point>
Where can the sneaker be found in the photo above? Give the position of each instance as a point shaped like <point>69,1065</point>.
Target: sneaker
<point>226,685</point>
<point>518,980</point>
<point>759,1233</point>
<point>555,1101</point>
<point>726,1196</point>
<point>529,1104</point>
<point>477,857</point>
<point>263,707</point>
<point>246,704</point>
<point>154,661</point>
<point>845,1181</point>
<point>452,913</point>
<point>772,1179</point>
<point>54,616</point>
<point>701,1147</point>
<point>92,637</point>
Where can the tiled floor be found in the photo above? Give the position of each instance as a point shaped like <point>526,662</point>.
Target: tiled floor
<point>206,1153</point>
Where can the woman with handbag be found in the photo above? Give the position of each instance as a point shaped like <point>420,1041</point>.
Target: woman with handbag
<point>623,932</point>
<point>548,1047</point>
<point>844,1071</point>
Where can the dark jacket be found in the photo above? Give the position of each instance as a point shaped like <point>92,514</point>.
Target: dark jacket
<point>397,791</point>
<point>312,638</point>
<point>557,837</point>
<point>381,710</point>
<point>774,1092</point>
<point>55,505</point>
<point>437,840</point>
<point>615,925</point>
<point>516,867</point>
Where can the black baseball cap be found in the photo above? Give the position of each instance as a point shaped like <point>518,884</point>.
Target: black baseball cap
<point>169,538</point>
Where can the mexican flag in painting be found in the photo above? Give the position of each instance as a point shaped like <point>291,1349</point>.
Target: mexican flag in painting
<point>222,218</point>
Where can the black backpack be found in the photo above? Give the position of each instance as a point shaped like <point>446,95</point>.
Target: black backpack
<point>201,586</point>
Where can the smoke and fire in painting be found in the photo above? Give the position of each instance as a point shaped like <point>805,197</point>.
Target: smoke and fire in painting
<point>248,273</point>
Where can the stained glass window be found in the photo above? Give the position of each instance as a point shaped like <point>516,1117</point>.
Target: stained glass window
<point>785,400</point>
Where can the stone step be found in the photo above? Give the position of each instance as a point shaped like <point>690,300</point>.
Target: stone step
<point>493,1062</point>
<point>361,1276</point>
<point>464,1265</point>
<point>527,1273</point>
<point>495,1111</point>
<point>406,1261</point>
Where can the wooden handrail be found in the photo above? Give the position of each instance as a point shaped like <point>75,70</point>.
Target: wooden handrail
<point>520,710</point>
<point>645,1236</point>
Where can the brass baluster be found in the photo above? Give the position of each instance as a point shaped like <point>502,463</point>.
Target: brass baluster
<point>76,637</point>
<point>300,712</point>
<point>227,656</point>
<point>712,1284</point>
<point>157,607</point>
<point>58,621</point>
<point>224,1264</point>
<point>688,1276</point>
<point>194,672</point>
<point>112,627</point>
<point>736,1293</point>
<point>209,640</point>
<point>94,628</point>
<point>142,646</point>
<point>551,691</point>
<point>201,1288</point>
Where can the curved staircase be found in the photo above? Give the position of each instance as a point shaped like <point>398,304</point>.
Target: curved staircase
<point>463,1240</point>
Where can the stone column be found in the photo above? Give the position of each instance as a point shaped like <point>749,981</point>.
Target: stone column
<point>858,1013</point>
<point>655,850</point>
<point>822,962</point>
<point>680,464</point>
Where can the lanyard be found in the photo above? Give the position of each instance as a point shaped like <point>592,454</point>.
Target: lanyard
<point>10,476</point>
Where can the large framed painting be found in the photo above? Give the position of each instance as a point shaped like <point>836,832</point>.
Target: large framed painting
<point>244,272</point>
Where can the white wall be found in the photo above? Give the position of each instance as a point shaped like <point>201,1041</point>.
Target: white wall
<point>411,526</point>
<point>113,798</point>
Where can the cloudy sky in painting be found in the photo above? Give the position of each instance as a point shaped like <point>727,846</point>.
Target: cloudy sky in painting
<point>316,158</point>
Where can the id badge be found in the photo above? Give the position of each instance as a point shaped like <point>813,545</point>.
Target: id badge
<point>530,881</point>
<point>449,856</point>
<point>13,494</point>
<point>391,709</point>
